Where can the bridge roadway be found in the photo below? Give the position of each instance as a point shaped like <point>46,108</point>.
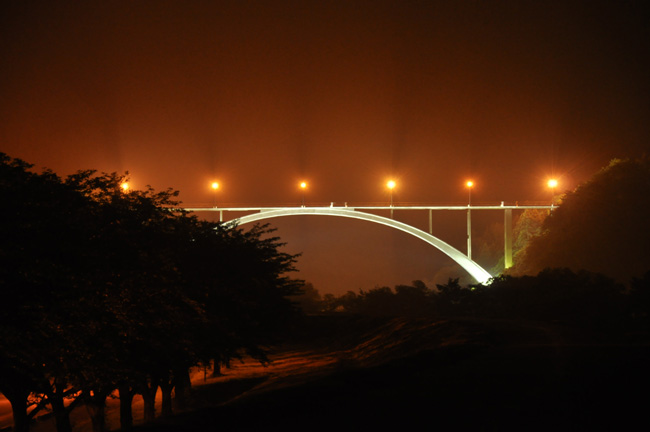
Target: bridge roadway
<point>366,213</point>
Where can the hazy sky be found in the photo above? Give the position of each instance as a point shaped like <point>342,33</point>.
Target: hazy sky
<point>344,94</point>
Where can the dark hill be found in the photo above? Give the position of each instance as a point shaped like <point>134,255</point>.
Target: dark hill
<point>345,373</point>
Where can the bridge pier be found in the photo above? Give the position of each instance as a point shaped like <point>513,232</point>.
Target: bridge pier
<point>507,238</point>
<point>469,233</point>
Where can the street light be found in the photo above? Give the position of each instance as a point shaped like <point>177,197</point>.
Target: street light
<point>390,184</point>
<point>125,186</point>
<point>552,184</point>
<point>470,185</point>
<point>215,187</point>
<point>303,186</point>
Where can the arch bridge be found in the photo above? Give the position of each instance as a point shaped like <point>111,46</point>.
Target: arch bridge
<point>365,213</point>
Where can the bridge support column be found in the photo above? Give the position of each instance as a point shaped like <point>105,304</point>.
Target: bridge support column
<point>430,221</point>
<point>469,233</point>
<point>507,238</point>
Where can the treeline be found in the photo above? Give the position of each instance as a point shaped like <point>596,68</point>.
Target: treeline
<point>105,290</point>
<point>582,299</point>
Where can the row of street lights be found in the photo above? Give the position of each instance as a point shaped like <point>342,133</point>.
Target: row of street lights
<point>390,185</point>
<point>303,186</point>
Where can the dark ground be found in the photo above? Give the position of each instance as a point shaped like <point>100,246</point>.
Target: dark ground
<point>460,374</point>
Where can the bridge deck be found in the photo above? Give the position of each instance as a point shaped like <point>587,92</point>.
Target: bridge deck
<point>364,208</point>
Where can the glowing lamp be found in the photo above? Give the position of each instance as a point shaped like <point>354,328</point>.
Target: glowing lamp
<point>125,186</point>
<point>552,183</point>
<point>391,184</point>
<point>215,185</point>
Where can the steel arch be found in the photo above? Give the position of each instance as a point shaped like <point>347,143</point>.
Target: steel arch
<point>476,271</point>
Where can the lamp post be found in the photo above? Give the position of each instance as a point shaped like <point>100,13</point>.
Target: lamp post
<point>215,187</point>
<point>470,185</point>
<point>552,184</point>
<point>303,186</point>
<point>391,185</point>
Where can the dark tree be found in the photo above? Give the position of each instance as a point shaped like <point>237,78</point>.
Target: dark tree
<point>40,237</point>
<point>108,290</point>
<point>241,279</point>
<point>309,299</point>
<point>413,300</point>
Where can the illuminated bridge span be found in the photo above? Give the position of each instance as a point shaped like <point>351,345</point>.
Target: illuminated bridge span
<point>363,213</point>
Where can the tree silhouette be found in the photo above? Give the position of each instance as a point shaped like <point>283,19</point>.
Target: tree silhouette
<point>309,299</point>
<point>105,289</point>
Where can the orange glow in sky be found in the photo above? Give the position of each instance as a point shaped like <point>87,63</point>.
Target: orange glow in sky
<point>347,94</point>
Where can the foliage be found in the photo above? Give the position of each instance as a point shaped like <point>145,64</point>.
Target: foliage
<point>590,301</point>
<point>308,299</point>
<point>639,304</point>
<point>105,289</point>
<point>583,298</point>
<point>599,227</point>
<point>528,226</point>
<point>405,300</point>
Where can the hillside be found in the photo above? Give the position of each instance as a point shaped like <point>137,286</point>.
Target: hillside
<point>491,375</point>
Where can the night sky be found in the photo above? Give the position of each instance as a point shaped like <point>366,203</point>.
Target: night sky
<point>260,95</point>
